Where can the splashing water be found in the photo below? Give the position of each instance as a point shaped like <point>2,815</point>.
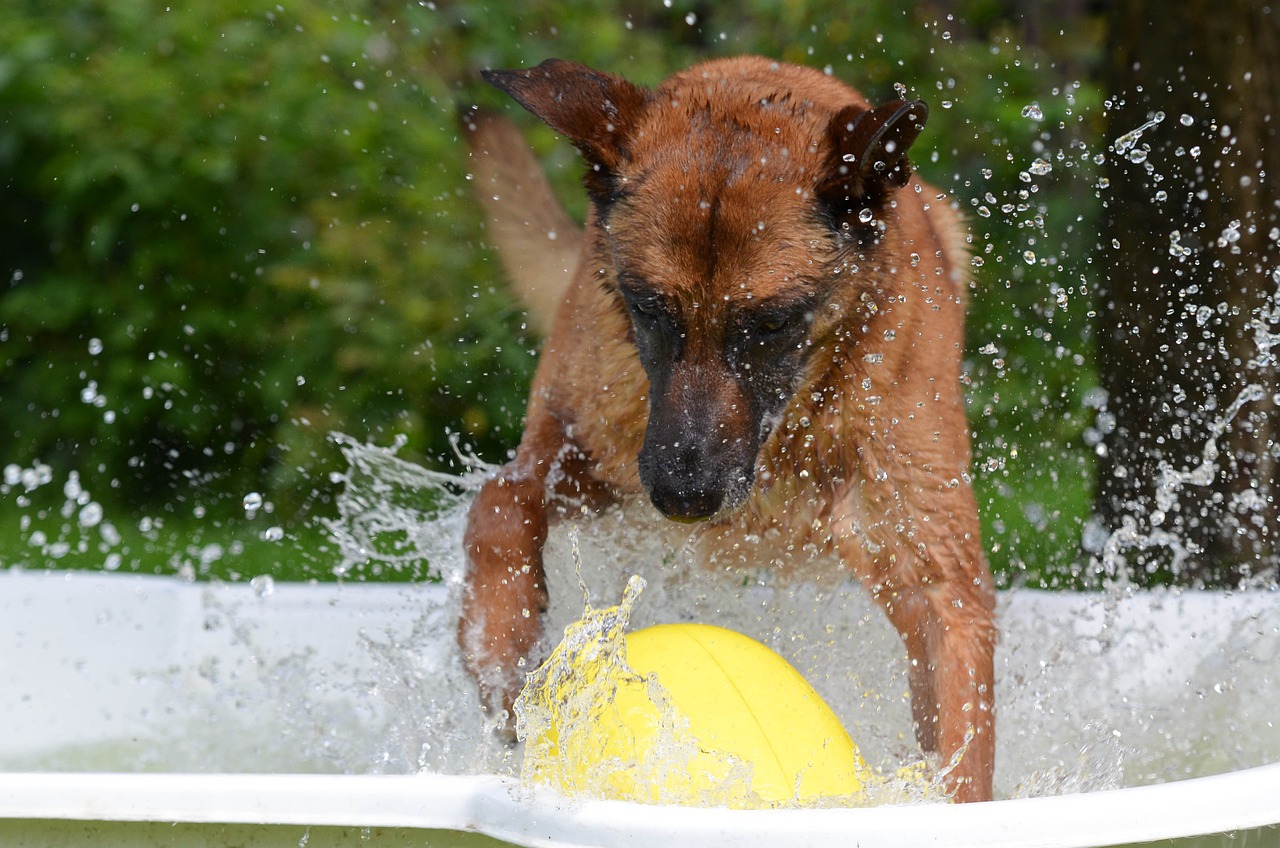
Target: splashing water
<point>1094,690</point>
<point>1171,482</point>
<point>569,713</point>
<point>575,693</point>
<point>1126,144</point>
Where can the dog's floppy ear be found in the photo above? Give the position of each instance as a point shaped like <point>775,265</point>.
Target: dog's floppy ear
<point>595,110</point>
<point>868,157</point>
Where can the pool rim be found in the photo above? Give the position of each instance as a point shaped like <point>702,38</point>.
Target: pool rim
<point>498,807</point>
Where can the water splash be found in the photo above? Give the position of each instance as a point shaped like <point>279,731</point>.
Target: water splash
<point>578,703</point>
<point>1125,145</point>
<point>1157,686</point>
<point>1171,482</point>
<point>575,693</point>
<point>398,516</point>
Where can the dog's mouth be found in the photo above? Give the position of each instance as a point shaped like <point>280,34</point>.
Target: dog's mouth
<point>719,515</point>
<point>702,516</point>
<point>684,519</point>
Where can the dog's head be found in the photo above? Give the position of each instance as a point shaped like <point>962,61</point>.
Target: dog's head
<point>735,202</point>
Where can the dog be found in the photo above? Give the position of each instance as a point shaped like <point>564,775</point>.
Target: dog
<point>760,329</point>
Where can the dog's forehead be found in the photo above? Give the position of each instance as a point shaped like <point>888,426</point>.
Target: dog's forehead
<point>717,200</point>
<point>703,242</point>
<point>718,220</point>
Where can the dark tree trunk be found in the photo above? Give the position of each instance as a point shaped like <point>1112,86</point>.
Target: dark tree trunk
<point>1190,248</point>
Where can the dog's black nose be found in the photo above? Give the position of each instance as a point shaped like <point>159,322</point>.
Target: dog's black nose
<point>686,505</point>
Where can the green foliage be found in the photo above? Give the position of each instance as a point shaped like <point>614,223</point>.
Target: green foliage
<point>230,231</point>
<point>232,234</point>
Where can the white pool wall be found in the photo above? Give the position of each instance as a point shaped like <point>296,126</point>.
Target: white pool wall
<point>122,672</point>
<point>1241,808</point>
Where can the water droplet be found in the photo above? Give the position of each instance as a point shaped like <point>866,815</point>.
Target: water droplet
<point>1029,256</point>
<point>263,585</point>
<point>252,503</point>
<point>1033,112</point>
<point>95,346</point>
<point>1040,167</point>
<point>1186,120</point>
<point>91,514</point>
<point>273,534</point>
<point>865,216</point>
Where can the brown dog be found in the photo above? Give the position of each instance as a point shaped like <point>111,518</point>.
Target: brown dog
<point>763,333</point>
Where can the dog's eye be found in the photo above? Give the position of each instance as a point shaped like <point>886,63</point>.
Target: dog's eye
<point>646,312</point>
<point>769,326</point>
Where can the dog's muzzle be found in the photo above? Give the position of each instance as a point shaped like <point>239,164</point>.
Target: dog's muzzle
<point>688,485</point>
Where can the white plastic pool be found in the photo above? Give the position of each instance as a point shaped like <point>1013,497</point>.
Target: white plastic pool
<point>119,694</point>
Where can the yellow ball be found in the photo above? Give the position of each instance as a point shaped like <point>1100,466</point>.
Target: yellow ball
<point>740,698</point>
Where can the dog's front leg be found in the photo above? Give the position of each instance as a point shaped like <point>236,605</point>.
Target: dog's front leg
<point>505,593</point>
<point>931,580</point>
<point>950,639</point>
<point>960,644</point>
<point>949,631</point>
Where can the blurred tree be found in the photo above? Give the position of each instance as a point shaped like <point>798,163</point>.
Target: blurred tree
<point>229,230</point>
<point>1188,316</point>
<point>225,238</point>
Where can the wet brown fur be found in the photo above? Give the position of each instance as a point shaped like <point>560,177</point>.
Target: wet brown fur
<point>721,190</point>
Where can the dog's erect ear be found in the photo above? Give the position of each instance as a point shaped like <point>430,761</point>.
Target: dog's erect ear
<point>868,157</point>
<point>595,110</point>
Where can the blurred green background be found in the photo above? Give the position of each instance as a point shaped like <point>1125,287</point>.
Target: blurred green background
<point>231,230</point>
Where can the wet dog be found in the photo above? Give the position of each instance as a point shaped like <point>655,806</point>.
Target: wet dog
<point>760,329</point>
